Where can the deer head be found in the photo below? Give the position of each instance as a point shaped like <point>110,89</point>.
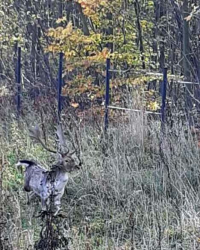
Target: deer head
<point>64,159</point>
<point>65,163</point>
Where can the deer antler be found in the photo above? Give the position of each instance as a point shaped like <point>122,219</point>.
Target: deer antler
<point>61,140</point>
<point>62,143</point>
<point>75,142</point>
<point>35,133</point>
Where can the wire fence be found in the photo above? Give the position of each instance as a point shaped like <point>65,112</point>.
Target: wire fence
<point>165,76</point>
<point>107,95</point>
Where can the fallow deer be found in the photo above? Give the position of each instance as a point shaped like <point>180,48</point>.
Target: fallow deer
<point>49,184</point>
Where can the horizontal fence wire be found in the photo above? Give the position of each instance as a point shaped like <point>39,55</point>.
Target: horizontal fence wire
<point>134,110</point>
<point>157,74</point>
<point>192,83</point>
<point>136,72</point>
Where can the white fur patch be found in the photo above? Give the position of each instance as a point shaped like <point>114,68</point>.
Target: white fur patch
<point>21,164</point>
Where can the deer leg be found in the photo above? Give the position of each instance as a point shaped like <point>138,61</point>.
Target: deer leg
<point>48,202</point>
<point>43,203</point>
<point>57,204</point>
<point>30,197</point>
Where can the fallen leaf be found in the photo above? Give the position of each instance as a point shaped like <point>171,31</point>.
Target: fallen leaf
<point>74,104</point>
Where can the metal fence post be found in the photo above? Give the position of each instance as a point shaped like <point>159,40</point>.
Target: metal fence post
<point>60,84</point>
<point>107,92</point>
<point>18,76</point>
<point>164,93</point>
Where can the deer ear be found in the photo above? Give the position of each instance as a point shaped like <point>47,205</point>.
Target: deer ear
<point>70,154</point>
<point>59,157</point>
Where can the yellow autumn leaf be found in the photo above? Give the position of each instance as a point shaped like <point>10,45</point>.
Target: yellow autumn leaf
<point>60,20</point>
<point>51,32</point>
<point>105,52</point>
<point>68,29</point>
<point>154,106</point>
<point>92,97</point>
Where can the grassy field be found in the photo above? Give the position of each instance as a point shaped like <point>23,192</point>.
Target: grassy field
<point>137,188</point>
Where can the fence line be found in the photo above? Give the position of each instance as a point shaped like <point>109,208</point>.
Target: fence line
<point>18,80</point>
<point>157,74</point>
<point>192,83</point>
<point>134,110</point>
<point>107,97</point>
<point>60,80</point>
<point>20,76</point>
<point>163,93</point>
<point>136,72</point>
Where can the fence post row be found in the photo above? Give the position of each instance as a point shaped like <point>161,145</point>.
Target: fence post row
<point>107,92</point>
<point>60,84</point>
<point>18,78</point>
<point>107,96</point>
<point>164,93</point>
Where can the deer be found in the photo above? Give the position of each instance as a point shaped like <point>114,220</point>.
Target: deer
<point>49,185</point>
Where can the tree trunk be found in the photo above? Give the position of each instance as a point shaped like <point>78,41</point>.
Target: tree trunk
<point>186,43</point>
<point>109,31</point>
<point>137,12</point>
<point>83,19</point>
<point>60,8</point>
<point>162,13</point>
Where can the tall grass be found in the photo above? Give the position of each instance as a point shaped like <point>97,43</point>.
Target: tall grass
<point>138,188</point>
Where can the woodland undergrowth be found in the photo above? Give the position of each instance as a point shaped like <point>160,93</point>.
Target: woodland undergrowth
<point>138,187</point>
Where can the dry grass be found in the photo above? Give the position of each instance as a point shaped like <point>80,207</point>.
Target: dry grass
<point>137,189</point>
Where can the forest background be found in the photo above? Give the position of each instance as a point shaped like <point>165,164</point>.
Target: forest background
<point>140,193</point>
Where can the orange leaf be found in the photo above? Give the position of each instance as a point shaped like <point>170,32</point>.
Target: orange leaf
<point>74,104</point>
<point>105,52</point>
